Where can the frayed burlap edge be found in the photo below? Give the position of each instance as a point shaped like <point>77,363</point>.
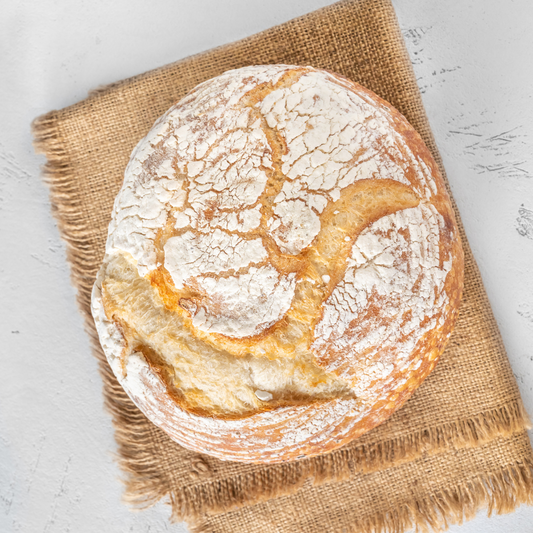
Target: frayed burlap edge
<point>498,492</point>
<point>146,482</point>
<point>218,496</point>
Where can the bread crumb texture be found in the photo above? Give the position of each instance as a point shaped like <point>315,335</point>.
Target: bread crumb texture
<point>282,268</point>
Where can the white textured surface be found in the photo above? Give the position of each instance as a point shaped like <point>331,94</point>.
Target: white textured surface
<point>56,443</point>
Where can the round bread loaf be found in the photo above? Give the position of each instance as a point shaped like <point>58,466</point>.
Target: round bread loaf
<point>283,268</point>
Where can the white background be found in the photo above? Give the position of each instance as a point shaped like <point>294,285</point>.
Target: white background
<point>473,64</point>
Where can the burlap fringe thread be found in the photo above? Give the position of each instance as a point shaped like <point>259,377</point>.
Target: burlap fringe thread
<point>500,493</point>
<point>144,486</point>
<point>223,495</point>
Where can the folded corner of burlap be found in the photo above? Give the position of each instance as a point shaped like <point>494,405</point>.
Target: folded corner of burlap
<point>457,445</point>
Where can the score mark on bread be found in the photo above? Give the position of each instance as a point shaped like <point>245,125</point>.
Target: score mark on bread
<point>282,269</point>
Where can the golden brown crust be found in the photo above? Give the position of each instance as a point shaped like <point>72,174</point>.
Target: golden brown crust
<point>339,391</point>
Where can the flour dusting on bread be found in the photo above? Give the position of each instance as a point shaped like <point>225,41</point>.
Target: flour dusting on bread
<point>282,267</point>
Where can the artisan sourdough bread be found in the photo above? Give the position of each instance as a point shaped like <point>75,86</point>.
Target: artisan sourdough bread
<point>283,268</point>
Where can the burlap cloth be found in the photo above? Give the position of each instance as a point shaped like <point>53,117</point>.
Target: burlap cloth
<point>458,444</point>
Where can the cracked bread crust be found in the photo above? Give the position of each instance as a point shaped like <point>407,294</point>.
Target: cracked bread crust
<point>283,268</point>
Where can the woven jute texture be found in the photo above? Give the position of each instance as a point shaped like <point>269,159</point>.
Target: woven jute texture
<point>458,444</point>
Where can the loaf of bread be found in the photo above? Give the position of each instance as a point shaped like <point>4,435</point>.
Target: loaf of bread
<point>283,268</point>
